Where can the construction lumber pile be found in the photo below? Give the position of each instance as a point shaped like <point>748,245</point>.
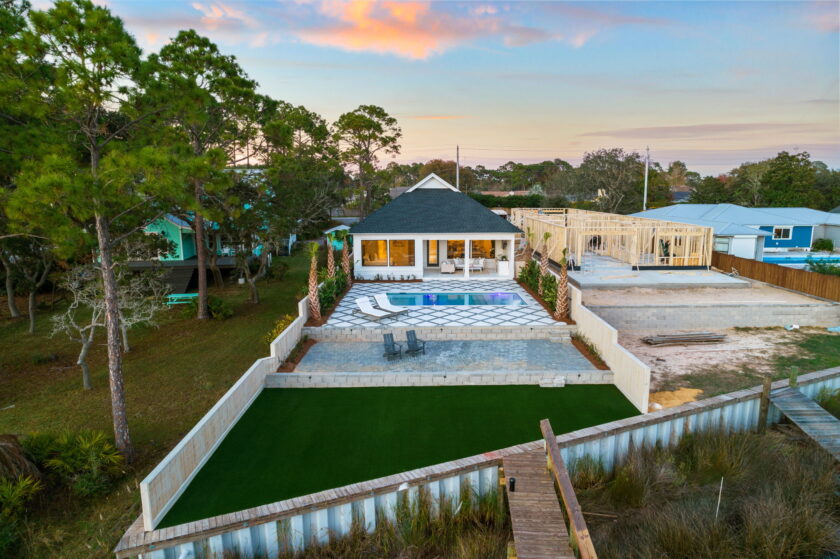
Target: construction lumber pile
<point>684,339</point>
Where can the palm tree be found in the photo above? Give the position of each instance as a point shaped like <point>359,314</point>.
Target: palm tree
<point>330,256</point>
<point>544,260</point>
<point>314,302</point>
<point>561,304</point>
<point>344,237</point>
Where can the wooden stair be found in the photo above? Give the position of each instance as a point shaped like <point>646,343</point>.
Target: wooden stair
<point>539,529</point>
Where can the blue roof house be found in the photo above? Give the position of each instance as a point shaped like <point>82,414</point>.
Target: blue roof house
<point>750,232</point>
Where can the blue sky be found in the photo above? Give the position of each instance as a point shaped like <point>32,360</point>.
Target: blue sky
<point>712,83</point>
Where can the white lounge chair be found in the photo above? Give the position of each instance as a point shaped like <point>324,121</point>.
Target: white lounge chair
<point>477,264</point>
<point>367,309</point>
<point>383,303</point>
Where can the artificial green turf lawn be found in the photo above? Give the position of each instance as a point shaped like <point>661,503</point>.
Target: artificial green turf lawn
<point>293,442</point>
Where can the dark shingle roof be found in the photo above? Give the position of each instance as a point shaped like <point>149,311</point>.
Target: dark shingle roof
<point>434,210</point>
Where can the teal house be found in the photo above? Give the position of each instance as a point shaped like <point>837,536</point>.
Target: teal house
<point>179,233</point>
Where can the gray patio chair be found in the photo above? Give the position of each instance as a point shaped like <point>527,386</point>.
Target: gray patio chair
<point>415,346</point>
<point>392,348</point>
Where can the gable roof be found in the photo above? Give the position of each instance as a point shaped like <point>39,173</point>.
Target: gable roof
<point>434,210</point>
<point>432,181</point>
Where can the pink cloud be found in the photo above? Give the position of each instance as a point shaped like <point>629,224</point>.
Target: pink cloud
<point>218,15</point>
<point>414,30</point>
<point>825,17</point>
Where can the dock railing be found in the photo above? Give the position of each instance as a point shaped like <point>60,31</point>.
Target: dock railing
<point>578,532</point>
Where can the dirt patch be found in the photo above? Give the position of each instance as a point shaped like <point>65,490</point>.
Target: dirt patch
<point>745,349</point>
<point>298,353</point>
<point>671,398</point>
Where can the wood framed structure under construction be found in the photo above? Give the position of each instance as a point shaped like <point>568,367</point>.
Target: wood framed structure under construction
<point>638,241</point>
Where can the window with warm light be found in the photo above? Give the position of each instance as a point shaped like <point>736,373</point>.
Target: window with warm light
<point>375,253</point>
<point>483,249</point>
<point>401,252</point>
<point>454,249</point>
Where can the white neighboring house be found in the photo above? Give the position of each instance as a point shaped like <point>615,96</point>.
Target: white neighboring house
<point>434,231</point>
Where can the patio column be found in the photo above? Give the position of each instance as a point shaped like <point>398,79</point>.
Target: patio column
<point>511,254</point>
<point>467,252</point>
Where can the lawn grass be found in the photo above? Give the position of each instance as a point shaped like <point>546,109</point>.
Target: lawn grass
<point>297,441</point>
<point>173,375</point>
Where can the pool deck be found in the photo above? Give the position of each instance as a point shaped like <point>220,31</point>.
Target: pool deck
<point>452,356</point>
<point>529,314</point>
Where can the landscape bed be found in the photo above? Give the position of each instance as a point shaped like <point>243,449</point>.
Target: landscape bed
<point>294,442</point>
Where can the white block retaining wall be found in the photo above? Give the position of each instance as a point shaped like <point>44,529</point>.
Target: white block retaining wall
<point>630,374</point>
<point>162,487</point>
<point>448,378</point>
<point>295,523</point>
<point>693,317</point>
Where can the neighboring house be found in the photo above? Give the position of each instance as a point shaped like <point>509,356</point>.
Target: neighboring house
<point>750,232</point>
<point>433,230</point>
<point>180,235</point>
<point>680,196</point>
<point>506,193</point>
<point>337,244</point>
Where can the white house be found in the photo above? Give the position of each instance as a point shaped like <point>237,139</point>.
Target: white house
<point>434,231</point>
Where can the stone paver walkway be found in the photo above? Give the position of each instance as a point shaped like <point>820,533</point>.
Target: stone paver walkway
<point>446,356</point>
<point>532,313</point>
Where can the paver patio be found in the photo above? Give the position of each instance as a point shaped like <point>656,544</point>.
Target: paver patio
<point>506,356</point>
<point>529,314</point>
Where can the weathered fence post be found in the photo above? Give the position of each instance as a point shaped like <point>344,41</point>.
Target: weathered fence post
<point>764,405</point>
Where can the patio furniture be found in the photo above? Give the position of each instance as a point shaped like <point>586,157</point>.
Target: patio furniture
<point>477,264</point>
<point>392,348</point>
<point>415,346</point>
<point>459,263</point>
<point>180,298</point>
<point>447,267</point>
<point>383,303</point>
<point>367,309</point>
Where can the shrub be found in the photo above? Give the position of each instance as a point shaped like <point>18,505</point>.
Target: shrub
<point>549,289</point>
<point>218,308</point>
<point>9,536</point>
<point>331,289</point>
<point>15,494</point>
<point>279,327</point>
<point>529,275</point>
<point>86,462</point>
<point>823,267</point>
<point>823,244</point>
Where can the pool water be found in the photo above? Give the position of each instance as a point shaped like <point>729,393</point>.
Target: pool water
<point>801,261</point>
<point>452,299</point>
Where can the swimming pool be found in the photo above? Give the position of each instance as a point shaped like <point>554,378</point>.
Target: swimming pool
<point>800,260</point>
<point>454,299</point>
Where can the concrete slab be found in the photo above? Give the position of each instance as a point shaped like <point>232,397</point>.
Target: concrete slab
<point>608,273</point>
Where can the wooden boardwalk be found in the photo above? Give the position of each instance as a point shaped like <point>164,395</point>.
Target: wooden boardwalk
<point>539,529</point>
<point>817,423</point>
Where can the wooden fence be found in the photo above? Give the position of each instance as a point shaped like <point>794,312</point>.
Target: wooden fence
<point>820,285</point>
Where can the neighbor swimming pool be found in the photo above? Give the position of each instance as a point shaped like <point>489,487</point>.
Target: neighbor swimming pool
<point>453,299</point>
<point>800,260</point>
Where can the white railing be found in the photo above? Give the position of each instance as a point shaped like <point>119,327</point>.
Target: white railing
<point>162,487</point>
<point>630,375</point>
<point>294,524</point>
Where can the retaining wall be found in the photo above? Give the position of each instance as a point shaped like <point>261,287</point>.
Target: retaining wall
<point>296,523</point>
<point>374,333</point>
<point>694,317</point>
<point>630,374</point>
<point>162,487</point>
<point>448,378</point>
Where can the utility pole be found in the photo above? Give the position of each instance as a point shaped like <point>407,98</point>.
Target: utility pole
<point>458,167</point>
<point>647,164</point>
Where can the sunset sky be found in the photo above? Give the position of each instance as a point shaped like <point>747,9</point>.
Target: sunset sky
<point>711,83</point>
